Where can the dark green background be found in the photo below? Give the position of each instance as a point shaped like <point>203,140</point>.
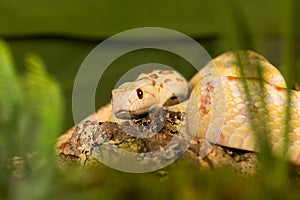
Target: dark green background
<point>64,32</point>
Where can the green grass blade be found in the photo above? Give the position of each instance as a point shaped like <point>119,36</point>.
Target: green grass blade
<point>231,30</point>
<point>289,61</point>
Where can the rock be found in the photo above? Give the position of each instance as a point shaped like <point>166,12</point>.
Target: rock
<point>83,141</point>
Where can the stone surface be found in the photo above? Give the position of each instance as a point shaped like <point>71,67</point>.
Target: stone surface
<point>79,145</point>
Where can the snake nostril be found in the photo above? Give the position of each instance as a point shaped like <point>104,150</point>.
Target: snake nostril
<point>111,96</point>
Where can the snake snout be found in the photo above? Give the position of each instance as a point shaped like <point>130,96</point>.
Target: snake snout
<point>120,106</point>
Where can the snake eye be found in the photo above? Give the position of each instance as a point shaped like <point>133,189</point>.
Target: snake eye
<point>139,93</point>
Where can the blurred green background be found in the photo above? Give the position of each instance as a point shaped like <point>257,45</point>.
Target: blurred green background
<point>63,32</point>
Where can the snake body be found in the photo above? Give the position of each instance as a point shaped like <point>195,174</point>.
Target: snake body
<point>223,107</point>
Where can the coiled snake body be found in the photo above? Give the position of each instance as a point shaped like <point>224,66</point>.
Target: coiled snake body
<point>223,107</point>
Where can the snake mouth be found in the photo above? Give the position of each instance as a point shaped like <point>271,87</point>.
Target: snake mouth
<point>123,114</point>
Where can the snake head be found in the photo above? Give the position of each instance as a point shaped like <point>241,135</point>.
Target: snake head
<point>133,99</point>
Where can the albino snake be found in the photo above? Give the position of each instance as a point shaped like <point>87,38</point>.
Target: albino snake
<point>219,105</point>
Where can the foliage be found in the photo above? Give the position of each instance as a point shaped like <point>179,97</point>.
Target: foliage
<point>30,117</point>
